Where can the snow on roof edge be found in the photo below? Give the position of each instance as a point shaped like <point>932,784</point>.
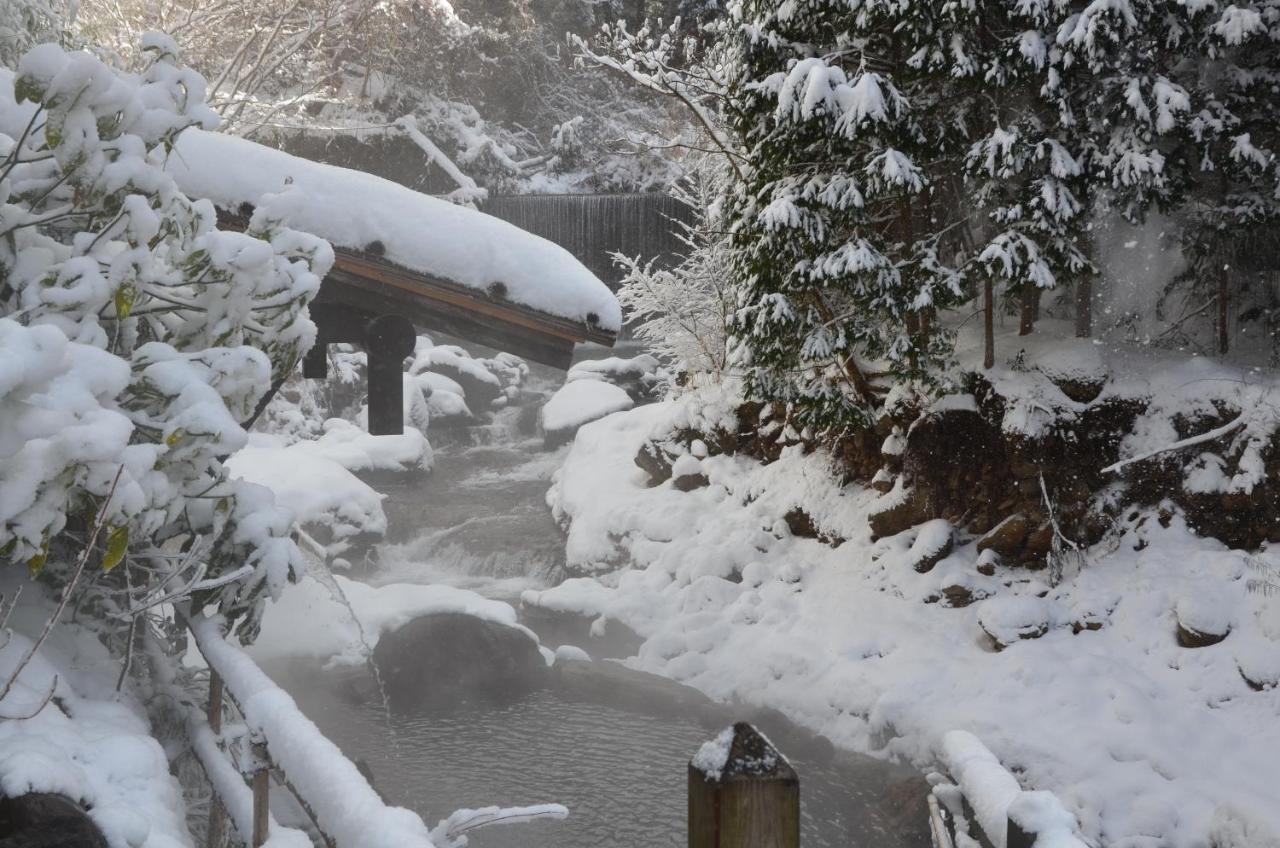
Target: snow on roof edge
<point>353,209</point>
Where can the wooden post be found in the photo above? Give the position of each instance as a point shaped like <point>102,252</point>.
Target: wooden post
<point>261,797</point>
<point>743,795</point>
<point>217,831</point>
<point>388,340</point>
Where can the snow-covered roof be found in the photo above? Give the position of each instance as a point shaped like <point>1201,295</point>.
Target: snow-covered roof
<point>353,210</point>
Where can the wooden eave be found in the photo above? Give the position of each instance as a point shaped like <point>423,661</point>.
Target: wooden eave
<point>371,283</point>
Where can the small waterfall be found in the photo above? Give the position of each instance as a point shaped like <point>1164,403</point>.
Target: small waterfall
<point>592,226</point>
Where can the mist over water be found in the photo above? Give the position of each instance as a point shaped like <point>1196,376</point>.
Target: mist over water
<point>616,755</point>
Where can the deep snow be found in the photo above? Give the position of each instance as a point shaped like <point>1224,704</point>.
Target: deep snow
<point>1146,743</point>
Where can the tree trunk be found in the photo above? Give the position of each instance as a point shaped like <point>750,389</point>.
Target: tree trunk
<point>1084,307</point>
<point>1224,339</point>
<point>1030,302</point>
<point>989,324</point>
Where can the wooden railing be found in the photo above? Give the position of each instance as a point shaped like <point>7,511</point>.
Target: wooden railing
<point>344,810</point>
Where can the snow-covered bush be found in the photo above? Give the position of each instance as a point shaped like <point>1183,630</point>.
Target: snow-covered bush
<point>683,313</point>
<point>135,337</point>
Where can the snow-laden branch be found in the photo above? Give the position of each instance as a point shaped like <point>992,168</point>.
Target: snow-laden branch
<point>468,192</point>
<point>450,832</point>
<point>347,809</point>
<point>1191,441</point>
<point>647,68</point>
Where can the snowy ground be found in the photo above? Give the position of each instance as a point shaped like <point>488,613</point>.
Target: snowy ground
<point>89,743</point>
<point>1147,743</point>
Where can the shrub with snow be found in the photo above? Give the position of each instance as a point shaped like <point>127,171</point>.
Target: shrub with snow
<point>136,338</point>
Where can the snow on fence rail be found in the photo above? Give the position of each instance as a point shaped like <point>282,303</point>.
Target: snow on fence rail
<point>347,811</point>
<point>1008,815</point>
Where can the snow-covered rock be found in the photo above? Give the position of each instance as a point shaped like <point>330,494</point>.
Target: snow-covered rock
<point>578,403</point>
<point>641,375</point>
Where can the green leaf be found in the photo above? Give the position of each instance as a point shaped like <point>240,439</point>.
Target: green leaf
<point>175,437</point>
<point>124,298</point>
<point>36,563</point>
<point>117,547</point>
<point>26,88</point>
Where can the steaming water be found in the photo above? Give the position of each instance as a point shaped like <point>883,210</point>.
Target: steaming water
<point>480,521</point>
<point>621,772</point>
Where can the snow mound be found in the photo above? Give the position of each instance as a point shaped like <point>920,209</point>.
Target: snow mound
<point>1071,361</point>
<point>354,210</point>
<point>87,743</point>
<point>1207,610</point>
<point>1010,619</point>
<point>318,490</point>
<point>614,368</point>
<point>579,402</point>
<point>713,755</point>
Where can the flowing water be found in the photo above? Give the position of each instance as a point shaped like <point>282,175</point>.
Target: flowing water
<point>614,750</point>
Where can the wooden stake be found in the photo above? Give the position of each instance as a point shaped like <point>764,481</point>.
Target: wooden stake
<point>217,831</point>
<point>261,797</point>
<point>754,802</point>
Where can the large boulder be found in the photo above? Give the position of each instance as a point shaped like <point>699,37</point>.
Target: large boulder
<point>45,820</point>
<point>452,658</point>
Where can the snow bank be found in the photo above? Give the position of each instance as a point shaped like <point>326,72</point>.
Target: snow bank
<point>425,234</point>
<point>1142,740</point>
<point>88,743</point>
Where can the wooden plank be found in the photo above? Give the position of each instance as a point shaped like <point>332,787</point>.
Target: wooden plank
<point>358,293</point>
<point>753,803</point>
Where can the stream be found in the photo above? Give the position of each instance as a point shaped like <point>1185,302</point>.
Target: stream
<point>609,743</point>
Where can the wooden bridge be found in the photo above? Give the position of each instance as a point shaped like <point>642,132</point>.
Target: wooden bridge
<point>404,261</point>
<point>379,306</point>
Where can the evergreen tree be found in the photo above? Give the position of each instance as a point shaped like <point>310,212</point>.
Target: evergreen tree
<point>837,266</point>
<point>1024,164</point>
<point>1231,207</point>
